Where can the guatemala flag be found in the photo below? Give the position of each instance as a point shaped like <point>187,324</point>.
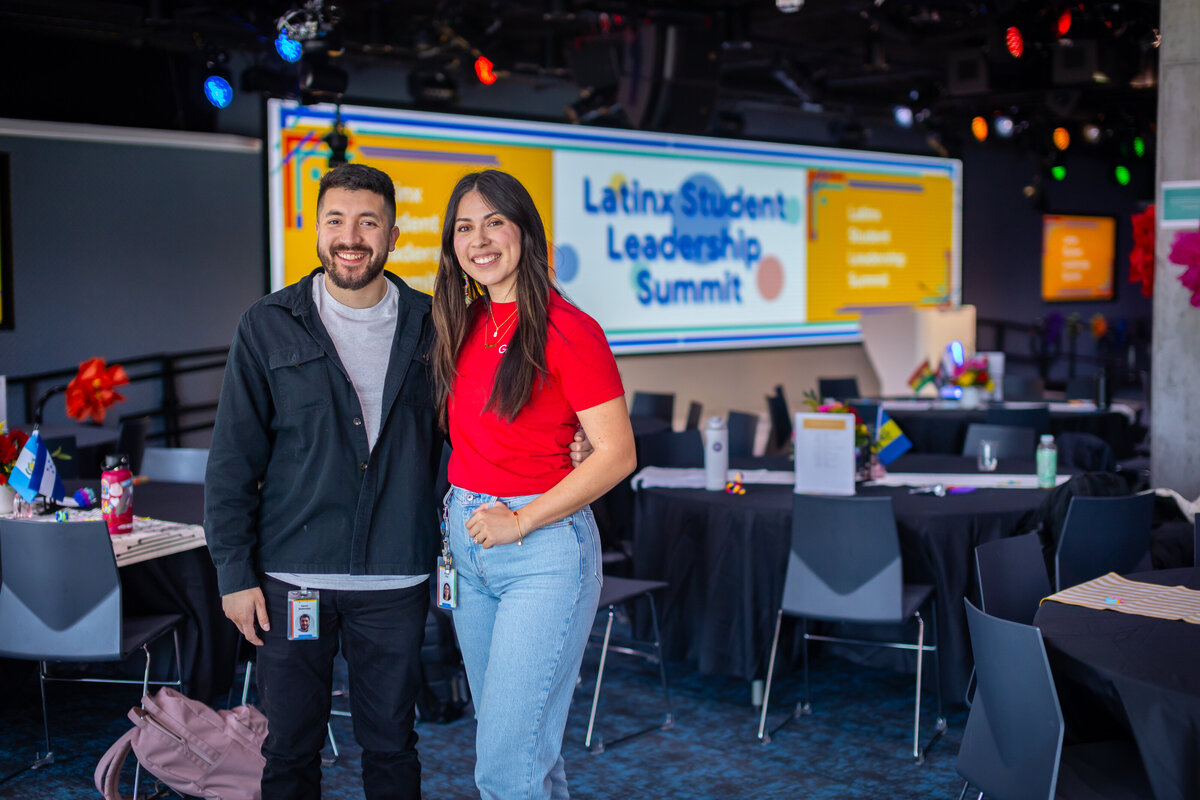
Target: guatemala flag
<point>34,472</point>
<point>892,441</point>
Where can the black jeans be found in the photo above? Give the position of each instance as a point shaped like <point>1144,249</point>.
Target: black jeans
<point>380,633</point>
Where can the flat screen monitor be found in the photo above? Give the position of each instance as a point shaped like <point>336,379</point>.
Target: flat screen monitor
<point>1077,257</point>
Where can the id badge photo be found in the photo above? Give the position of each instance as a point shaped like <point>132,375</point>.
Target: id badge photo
<point>303,620</point>
<point>447,586</point>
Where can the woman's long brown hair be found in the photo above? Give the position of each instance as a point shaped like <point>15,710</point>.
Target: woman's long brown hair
<point>524,363</point>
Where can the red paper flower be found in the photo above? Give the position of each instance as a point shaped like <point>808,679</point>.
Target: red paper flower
<point>90,392</point>
<point>1185,251</point>
<point>1141,255</point>
<point>1099,325</point>
<point>11,445</point>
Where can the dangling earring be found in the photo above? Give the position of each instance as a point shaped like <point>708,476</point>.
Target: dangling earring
<point>466,289</point>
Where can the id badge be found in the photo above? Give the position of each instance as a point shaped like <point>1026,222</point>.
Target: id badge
<point>303,620</point>
<point>447,585</point>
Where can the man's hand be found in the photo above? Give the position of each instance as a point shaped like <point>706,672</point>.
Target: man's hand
<point>243,608</point>
<point>581,448</point>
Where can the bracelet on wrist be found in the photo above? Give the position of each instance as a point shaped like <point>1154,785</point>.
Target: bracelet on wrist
<point>520,535</point>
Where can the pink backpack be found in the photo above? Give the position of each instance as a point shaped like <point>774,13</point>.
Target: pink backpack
<point>191,748</point>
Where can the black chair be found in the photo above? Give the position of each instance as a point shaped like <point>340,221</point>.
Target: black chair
<point>837,388</point>
<point>175,464</point>
<point>1103,535</point>
<point>1035,417</point>
<point>844,566</point>
<point>867,411</point>
<point>743,428</point>
<point>781,420</point>
<point>1023,388</point>
<point>1010,442</point>
<point>670,449</point>
<point>131,440</point>
<point>1012,746</point>
<point>658,406</point>
<point>621,591</point>
<point>60,600</point>
<point>693,416</point>
<point>65,453</point>
<point>1085,451</point>
<point>1012,577</point>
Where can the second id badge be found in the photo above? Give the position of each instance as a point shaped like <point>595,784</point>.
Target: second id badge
<point>447,585</point>
<point>304,622</point>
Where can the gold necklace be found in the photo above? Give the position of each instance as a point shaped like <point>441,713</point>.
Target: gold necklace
<point>497,328</point>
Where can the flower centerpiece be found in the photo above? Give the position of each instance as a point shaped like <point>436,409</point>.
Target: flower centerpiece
<point>972,376</point>
<point>863,439</point>
<point>11,444</point>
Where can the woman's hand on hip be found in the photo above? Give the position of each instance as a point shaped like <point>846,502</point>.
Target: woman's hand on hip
<point>493,524</point>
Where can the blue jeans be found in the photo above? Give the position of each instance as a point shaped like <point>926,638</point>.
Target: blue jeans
<point>523,618</point>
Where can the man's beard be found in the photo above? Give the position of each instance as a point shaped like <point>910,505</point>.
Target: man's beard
<point>373,265</point>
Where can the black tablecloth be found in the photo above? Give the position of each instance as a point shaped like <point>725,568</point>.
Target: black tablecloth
<point>944,430</point>
<point>725,558</point>
<point>1135,673</point>
<point>183,583</point>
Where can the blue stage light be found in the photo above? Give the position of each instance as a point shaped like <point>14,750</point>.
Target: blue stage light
<point>218,91</point>
<point>289,49</point>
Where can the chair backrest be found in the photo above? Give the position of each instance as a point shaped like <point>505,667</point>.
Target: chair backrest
<point>1010,442</point>
<point>695,410</point>
<point>1082,388</point>
<point>1085,451</point>
<point>1023,387</point>
<point>1036,417</point>
<point>65,452</point>
<point>131,440</point>
<point>743,428</point>
<point>781,419</point>
<point>60,596</point>
<point>867,411</point>
<point>177,464</point>
<point>844,562</point>
<point>650,404</point>
<point>1012,743</point>
<point>837,388</point>
<point>1102,535</point>
<point>670,449</point>
<point>1012,577</point>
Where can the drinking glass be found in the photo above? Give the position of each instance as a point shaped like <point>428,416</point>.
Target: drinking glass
<point>986,460</point>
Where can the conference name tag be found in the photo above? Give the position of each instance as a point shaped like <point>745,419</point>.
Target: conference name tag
<point>303,621</point>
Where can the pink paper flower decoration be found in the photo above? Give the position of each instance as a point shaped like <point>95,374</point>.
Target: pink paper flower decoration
<point>1185,251</point>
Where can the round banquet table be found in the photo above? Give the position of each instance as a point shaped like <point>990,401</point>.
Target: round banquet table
<point>943,430</point>
<point>725,558</point>
<point>1125,673</point>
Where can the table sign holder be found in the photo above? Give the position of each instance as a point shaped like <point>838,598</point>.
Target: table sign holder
<point>824,453</point>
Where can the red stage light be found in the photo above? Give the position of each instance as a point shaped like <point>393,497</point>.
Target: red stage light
<point>483,70</point>
<point>1014,41</point>
<point>1064,23</point>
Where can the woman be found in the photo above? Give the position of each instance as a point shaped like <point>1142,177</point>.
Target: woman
<point>517,369</point>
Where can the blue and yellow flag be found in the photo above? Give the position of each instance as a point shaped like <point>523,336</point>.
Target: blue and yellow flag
<point>892,441</point>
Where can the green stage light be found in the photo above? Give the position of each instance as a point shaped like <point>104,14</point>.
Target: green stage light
<point>1139,146</point>
<point>1121,173</point>
<point>1058,172</point>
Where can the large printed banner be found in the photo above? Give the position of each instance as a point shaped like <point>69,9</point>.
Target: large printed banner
<point>670,242</point>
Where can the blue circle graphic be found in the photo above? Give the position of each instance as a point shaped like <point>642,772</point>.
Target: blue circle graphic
<point>705,186</point>
<point>566,263</point>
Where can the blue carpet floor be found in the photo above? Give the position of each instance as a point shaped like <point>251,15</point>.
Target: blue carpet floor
<point>854,745</point>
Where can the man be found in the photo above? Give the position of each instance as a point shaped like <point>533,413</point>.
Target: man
<point>321,478</point>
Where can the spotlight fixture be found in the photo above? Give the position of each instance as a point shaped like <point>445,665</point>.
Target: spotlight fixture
<point>979,129</point>
<point>1014,41</point>
<point>310,20</point>
<point>1003,125</point>
<point>218,89</point>
<point>903,116</point>
<point>1061,138</point>
<point>337,141</point>
<point>432,88</point>
<point>1091,133</point>
<point>1062,26</point>
<point>789,6</point>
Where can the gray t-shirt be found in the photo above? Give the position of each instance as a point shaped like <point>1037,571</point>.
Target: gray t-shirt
<point>363,338</point>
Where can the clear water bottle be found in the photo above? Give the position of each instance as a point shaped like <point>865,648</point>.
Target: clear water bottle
<point>716,454</point>
<point>1047,462</point>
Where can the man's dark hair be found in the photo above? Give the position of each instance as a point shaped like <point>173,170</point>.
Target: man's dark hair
<point>360,177</point>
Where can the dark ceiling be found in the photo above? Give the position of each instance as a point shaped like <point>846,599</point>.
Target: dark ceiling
<point>697,66</point>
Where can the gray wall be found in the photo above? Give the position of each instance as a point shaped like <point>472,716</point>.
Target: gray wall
<point>122,249</point>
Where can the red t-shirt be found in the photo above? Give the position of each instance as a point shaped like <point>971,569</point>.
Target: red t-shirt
<point>530,454</point>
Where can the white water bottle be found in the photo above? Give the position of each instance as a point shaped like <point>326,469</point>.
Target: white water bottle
<point>716,454</point>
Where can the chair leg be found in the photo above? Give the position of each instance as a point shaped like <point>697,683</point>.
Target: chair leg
<point>48,756</point>
<point>329,762</point>
<point>804,706</point>
<point>937,666</point>
<point>963,793</point>
<point>917,713</point>
<point>246,682</point>
<point>587,742</point>
<point>762,720</point>
<point>669,719</point>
